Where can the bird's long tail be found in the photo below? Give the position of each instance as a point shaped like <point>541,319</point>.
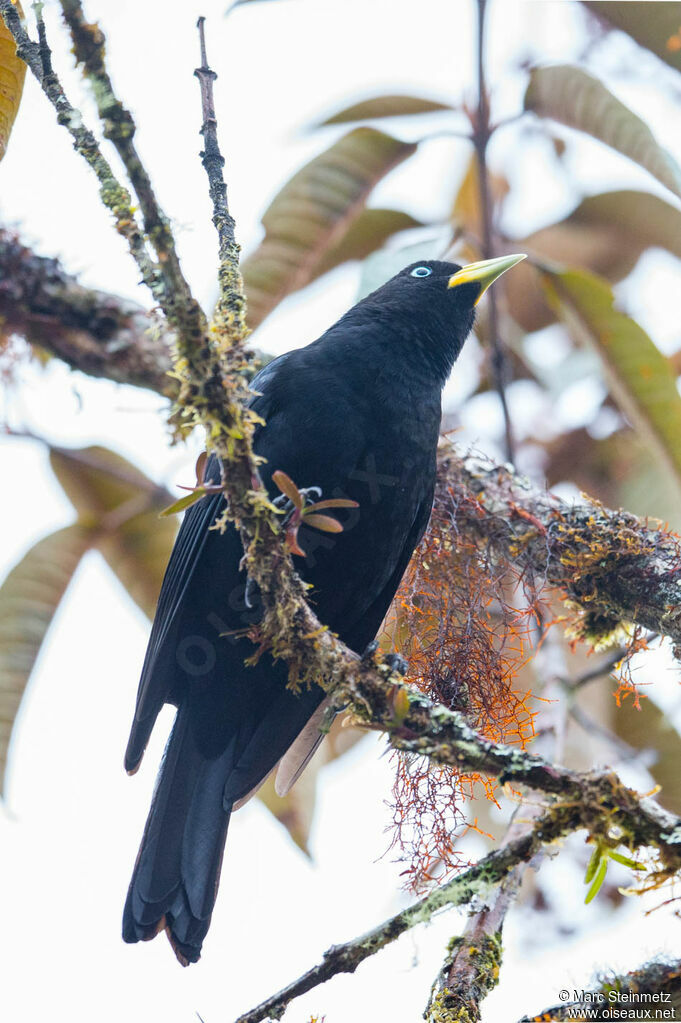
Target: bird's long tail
<point>176,875</point>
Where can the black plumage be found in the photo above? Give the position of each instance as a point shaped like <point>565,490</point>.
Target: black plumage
<point>356,413</point>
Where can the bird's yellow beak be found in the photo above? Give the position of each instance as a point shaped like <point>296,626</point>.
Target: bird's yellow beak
<point>485,272</point>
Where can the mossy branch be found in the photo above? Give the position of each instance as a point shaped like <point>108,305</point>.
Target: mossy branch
<point>469,972</point>
<point>475,883</point>
<point>119,127</point>
<point>615,568</point>
<point>93,331</point>
<point>115,197</point>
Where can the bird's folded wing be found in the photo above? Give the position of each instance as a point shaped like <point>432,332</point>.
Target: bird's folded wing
<point>154,685</point>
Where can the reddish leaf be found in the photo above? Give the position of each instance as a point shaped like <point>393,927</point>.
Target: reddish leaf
<point>334,502</point>
<point>288,488</point>
<point>323,522</point>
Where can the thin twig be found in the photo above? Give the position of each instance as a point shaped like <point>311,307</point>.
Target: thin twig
<point>114,196</point>
<point>592,727</point>
<point>231,301</point>
<point>482,132</point>
<point>119,126</point>
<point>95,332</point>
<point>606,667</point>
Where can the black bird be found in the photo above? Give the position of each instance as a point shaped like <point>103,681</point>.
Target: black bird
<point>357,414</point>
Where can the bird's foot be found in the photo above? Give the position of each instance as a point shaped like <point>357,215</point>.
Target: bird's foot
<point>252,594</point>
<point>396,662</point>
<point>289,507</point>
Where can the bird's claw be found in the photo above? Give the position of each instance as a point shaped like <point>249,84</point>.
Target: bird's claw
<point>286,505</point>
<point>369,651</point>
<point>251,593</point>
<point>395,662</point>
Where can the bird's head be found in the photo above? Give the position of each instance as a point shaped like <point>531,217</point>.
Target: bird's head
<point>433,302</point>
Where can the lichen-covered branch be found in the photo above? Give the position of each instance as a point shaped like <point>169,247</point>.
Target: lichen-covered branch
<point>614,567</point>
<point>231,307</point>
<point>652,988</point>
<point>92,331</point>
<point>469,972</point>
<point>473,959</point>
<point>114,196</point>
<point>477,882</point>
<point>119,127</point>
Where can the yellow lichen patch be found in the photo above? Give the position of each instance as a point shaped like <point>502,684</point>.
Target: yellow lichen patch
<point>12,74</point>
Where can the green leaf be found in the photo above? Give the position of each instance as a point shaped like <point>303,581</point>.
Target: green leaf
<point>386,106</point>
<point>640,376</point>
<point>29,598</point>
<point>577,99</point>
<point>592,865</point>
<point>598,880</point>
<point>312,214</point>
<point>12,74</point>
<point>605,233</point>
<point>110,493</point>
<point>184,502</point>
<point>625,860</point>
<point>653,25</point>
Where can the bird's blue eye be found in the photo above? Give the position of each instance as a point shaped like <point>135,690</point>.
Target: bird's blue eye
<point>421,271</point>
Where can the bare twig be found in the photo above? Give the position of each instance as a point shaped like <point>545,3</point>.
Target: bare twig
<point>606,667</point>
<point>119,127</point>
<point>114,196</point>
<point>481,134</point>
<point>589,725</point>
<point>231,302</point>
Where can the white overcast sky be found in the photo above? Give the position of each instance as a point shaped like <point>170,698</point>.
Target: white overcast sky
<point>69,832</point>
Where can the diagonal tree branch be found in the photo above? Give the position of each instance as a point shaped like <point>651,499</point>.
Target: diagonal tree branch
<point>477,882</point>
<point>92,331</point>
<point>119,127</point>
